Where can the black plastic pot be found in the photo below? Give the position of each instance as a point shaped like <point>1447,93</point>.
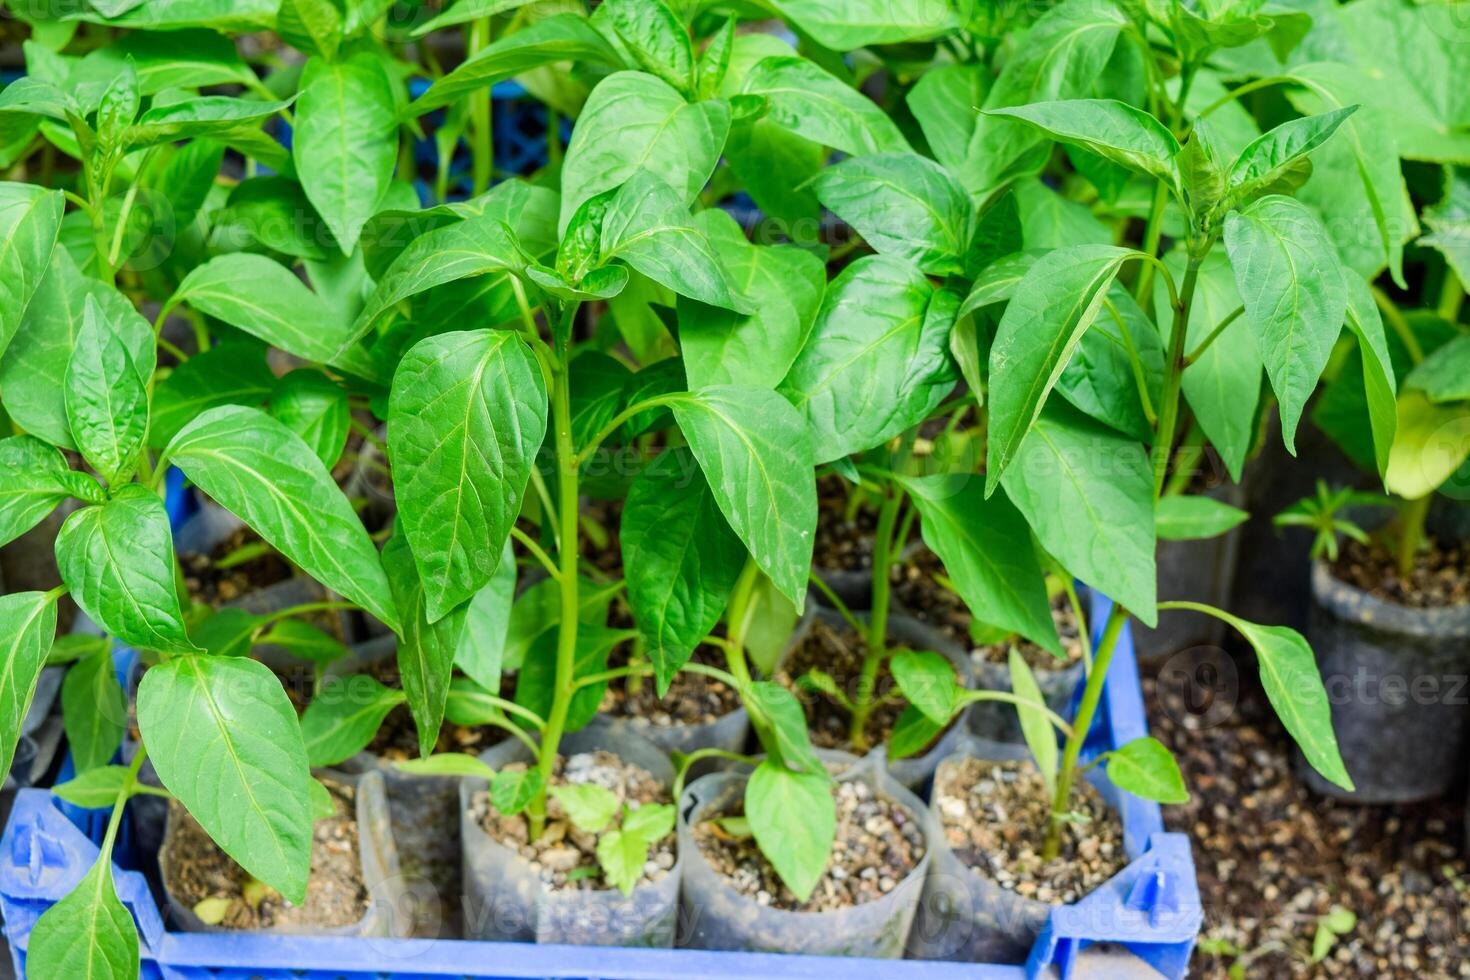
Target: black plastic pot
<point>1398,680</point>
<point>1200,571</point>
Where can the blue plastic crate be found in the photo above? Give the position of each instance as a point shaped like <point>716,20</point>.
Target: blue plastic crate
<point>1152,908</point>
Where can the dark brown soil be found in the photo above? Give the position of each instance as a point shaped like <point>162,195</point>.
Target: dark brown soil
<point>842,543</point>
<point>336,895</point>
<point>211,585</point>
<point>398,736</point>
<point>878,843</point>
<point>838,651</point>
<point>995,816</point>
<point>562,849</point>
<point>692,699</point>
<point>1038,658</point>
<point>1441,575</point>
<point>1272,858</point>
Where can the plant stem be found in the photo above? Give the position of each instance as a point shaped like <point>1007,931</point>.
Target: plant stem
<point>1451,296</point>
<point>1204,345</point>
<point>1411,532</point>
<point>877,646</point>
<point>566,646</point>
<point>738,618</point>
<point>1400,325</point>
<point>482,147</point>
<point>536,551</point>
<point>1152,234</point>
<point>1169,407</point>
<point>1096,677</point>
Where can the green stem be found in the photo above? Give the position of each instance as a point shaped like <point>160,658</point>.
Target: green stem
<point>304,609</point>
<point>1152,234</point>
<point>1400,325</point>
<point>739,616</point>
<point>697,755</point>
<point>1451,296</point>
<point>877,646</point>
<point>1076,603</point>
<point>1091,695</point>
<point>1204,345</point>
<point>1169,408</point>
<point>536,551</point>
<point>566,647</point>
<point>1006,697</point>
<point>482,146</point>
<point>837,603</point>
<point>1411,533</point>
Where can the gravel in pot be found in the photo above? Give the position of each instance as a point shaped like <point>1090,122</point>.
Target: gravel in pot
<point>353,889</point>
<point>864,903</point>
<point>1058,679</point>
<point>831,645</point>
<point>989,893</point>
<point>1395,659</point>
<point>550,890</point>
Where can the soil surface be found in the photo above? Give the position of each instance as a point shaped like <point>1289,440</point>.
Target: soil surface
<point>921,596</point>
<point>210,585</point>
<point>878,843</point>
<point>692,699</point>
<point>336,895</point>
<point>1273,858</point>
<point>842,543</point>
<point>562,849</point>
<point>995,816</point>
<point>838,651</point>
<point>1438,579</point>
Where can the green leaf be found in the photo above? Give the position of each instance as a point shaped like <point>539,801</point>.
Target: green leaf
<point>261,471</point>
<point>467,411</point>
<point>903,205</point>
<point>1101,379</point>
<point>632,122</point>
<point>27,625</point>
<point>986,548</point>
<point>426,647</point>
<point>1430,444</point>
<point>943,102</point>
<point>312,26</point>
<point>756,454</point>
<point>275,212</point>
<point>30,220</point>
<point>164,60</point>
<point>225,740</point>
<point>912,733</point>
<point>859,23</point>
<point>88,935</point>
<point>94,709</point>
<point>1181,518</point>
<point>315,408</point>
<point>263,298</point>
<point>1294,687</point>
<point>928,681</point>
<point>34,478</point>
<point>1113,130</point>
<point>820,107</point>
<point>107,396</point>
<point>344,716</point>
<point>228,632</point>
<point>781,714</point>
<point>447,764</point>
<point>877,360</point>
<point>680,559</point>
<point>714,62</point>
<point>167,15</point>
<point>1269,156</point>
<point>301,639</point>
<point>797,848</point>
<point>783,282</point>
<point>1087,493</point>
<point>464,11</point>
<point>1444,375</point>
<point>486,633</point>
<point>1036,726</point>
<point>1291,284</point>
<point>1061,57</point>
<point>33,370</point>
<point>118,560</point>
<point>204,116</point>
<point>1145,768</point>
<point>1055,302</point>
<point>649,227</point>
<point>651,821</point>
<point>512,790</point>
<point>346,131</point>
<point>234,372</point>
<point>561,37</point>
<point>589,807</point>
<point>656,38</point>
<point>94,789</point>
